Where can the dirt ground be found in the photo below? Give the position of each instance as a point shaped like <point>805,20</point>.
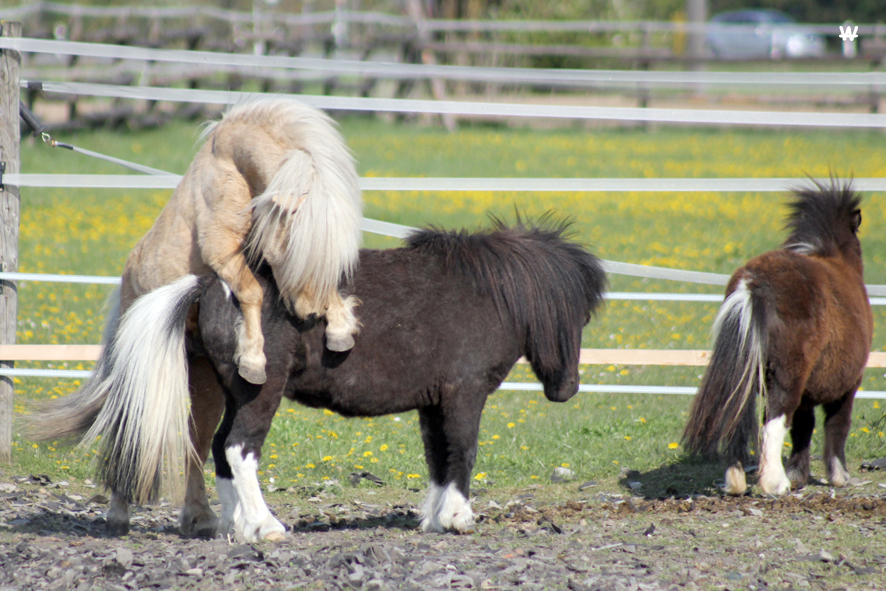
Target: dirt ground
<point>564,536</point>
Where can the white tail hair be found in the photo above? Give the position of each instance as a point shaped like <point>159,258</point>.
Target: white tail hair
<point>142,427</point>
<point>739,306</point>
<point>307,222</point>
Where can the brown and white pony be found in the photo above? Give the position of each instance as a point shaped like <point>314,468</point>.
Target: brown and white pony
<point>273,182</point>
<point>796,328</point>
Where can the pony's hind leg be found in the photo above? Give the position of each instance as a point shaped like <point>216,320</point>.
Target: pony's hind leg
<point>838,419</point>
<point>207,405</point>
<point>772,478</point>
<point>341,323</point>
<point>737,449</point>
<point>237,451</point>
<point>802,426</point>
<point>249,354</point>
<point>117,520</point>
<point>781,404</point>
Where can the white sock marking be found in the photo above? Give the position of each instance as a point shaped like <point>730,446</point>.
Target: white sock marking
<point>255,522</point>
<point>773,479</point>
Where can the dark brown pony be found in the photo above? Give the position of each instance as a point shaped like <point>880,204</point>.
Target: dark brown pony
<point>795,327</point>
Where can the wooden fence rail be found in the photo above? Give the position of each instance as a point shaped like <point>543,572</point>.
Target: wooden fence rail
<point>675,357</point>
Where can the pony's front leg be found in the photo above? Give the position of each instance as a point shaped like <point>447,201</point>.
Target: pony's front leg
<point>450,450</point>
<point>249,354</point>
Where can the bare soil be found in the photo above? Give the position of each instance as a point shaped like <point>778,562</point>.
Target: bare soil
<point>559,536</point>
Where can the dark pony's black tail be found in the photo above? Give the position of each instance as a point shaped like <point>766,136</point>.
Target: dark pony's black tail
<point>547,285</point>
<point>723,414</point>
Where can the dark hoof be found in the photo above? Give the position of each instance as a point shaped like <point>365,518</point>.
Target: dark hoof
<point>117,528</point>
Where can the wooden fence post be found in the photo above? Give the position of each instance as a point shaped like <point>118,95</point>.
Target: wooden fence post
<point>10,63</point>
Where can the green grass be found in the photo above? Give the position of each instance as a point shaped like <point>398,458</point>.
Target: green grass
<point>523,437</point>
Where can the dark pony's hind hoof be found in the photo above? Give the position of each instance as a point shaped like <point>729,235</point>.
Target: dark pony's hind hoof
<point>117,528</point>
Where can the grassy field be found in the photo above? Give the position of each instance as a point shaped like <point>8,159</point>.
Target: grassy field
<point>523,437</point>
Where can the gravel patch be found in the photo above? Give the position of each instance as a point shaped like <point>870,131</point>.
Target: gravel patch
<point>553,537</point>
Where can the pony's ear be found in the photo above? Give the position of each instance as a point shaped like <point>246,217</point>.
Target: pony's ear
<point>856,220</point>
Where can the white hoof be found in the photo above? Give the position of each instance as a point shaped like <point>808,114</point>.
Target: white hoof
<point>777,486</point>
<point>838,476</point>
<point>268,530</point>
<point>447,510</point>
<point>736,483</point>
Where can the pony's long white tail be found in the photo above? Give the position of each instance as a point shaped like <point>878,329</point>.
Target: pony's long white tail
<point>723,413</point>
<point>142,428</point>
<point>307,223</point>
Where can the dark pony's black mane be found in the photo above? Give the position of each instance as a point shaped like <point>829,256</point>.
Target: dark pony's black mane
<point>518,266</point>
<point>823,219</point>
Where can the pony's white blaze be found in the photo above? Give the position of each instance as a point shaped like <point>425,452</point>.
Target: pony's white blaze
<point>255,522</point>
<point>773,479</point>
<point>837,475</point>
<point>447,509</point>
<point>736,483</point>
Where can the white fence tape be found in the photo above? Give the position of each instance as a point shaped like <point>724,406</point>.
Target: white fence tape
<point>541,185</point>
<point>697,116</point>
<point>393,70</point>
<point>381,18</point>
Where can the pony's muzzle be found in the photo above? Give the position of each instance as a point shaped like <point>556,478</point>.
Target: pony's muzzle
<point>563,389</point>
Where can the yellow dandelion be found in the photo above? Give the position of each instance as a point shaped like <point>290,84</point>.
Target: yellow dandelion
<point>673,445</point>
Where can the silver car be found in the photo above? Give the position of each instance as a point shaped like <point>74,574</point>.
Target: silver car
<point>755,34</point>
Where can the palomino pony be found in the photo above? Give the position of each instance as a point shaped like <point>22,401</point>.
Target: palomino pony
<point>795,327</point>
<point>273,181</point>
<point>443,321</point>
